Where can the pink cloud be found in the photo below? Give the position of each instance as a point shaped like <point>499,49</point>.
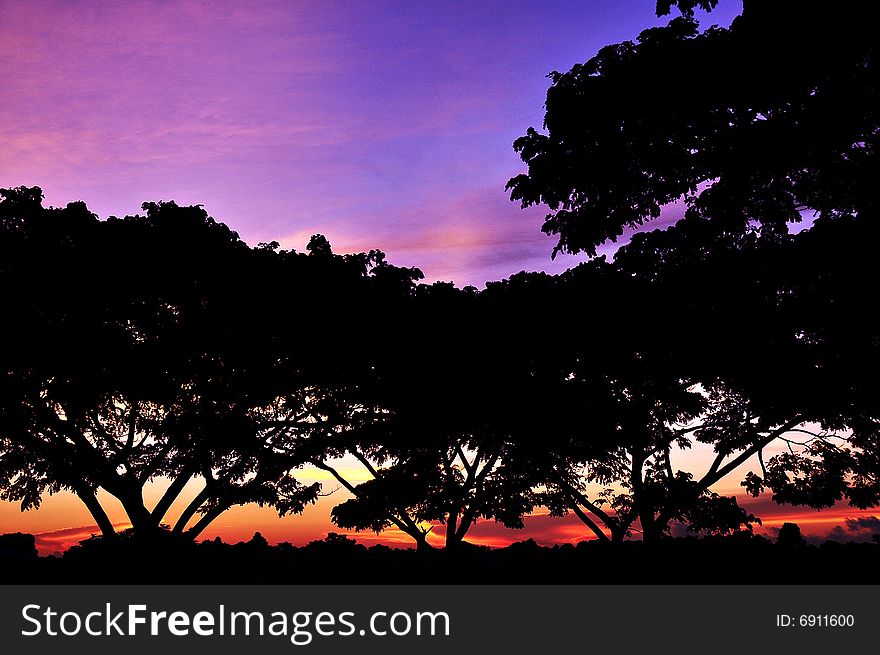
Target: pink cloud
<point>470,238</point>
<point>57,541</point>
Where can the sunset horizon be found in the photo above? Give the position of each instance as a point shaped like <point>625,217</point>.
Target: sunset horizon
<point>388,271</point>
<point>444,327</point>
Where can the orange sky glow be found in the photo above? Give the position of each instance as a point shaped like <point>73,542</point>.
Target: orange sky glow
<point>62,520</point>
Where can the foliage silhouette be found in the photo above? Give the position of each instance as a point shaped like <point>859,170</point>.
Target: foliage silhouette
<point>159,346</point>
<point>780,118</point>
<point>739,340</point>
<point>458,403</point>
<point>466,400</point>
<point>341,560</point>
<point>764,121</point>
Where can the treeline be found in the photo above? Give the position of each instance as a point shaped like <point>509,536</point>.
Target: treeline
<point>162,346</point>
<point>733,559</point>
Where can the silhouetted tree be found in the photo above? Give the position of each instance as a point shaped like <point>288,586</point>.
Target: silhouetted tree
<point>638,402</point>
<point>465,404</point>
<point>757,340</point>
<point>763,121</point>
<point>778,117</point>
<point>790,536</point>
<point>161,346</point>
<point>828,274</point>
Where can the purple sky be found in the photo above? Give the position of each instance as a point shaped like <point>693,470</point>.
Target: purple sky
<point>380,124</point>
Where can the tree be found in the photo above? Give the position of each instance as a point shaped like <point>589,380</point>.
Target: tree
<point>762,122</point>
<point>464,402</point>
<point>830,268</point>
<point>779,119</point>
<point>743,340</point>
<point>639,402</point>
<point>158,346</point>
<point>498,414</point>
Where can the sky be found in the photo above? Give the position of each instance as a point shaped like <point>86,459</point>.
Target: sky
<point>380,124</point>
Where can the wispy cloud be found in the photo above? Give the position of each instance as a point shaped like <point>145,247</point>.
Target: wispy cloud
<point>56,541</point>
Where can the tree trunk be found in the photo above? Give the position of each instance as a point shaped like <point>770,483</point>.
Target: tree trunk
<point>90,500</point>
<point>422,545</point>
<point>191,509</point>
<point>451,529</point>
<point>171,494</point>
<point>587,521</point>
<point>453,541</point>
<point>651,532</point>
<point>206,520</point>
<point>142,521</point>
<point>644,510</point>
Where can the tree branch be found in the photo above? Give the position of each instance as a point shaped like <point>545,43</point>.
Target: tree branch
<point>193,507</point>
<point>717,472</point>
<point>90,500</point>
<point>171,494</point>
<point>206,520</point>
<point>467,465</point>
<point>586,520</point>
<point>573,493</point>
<point>407,526</point>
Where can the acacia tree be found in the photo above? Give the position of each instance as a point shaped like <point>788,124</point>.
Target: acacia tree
<point>631,405</point>
<point>156,347</point>
<point>829,274</point>
<point>781,118</point>
<point>461,393</point>
<point>761,121</point>
<point>455,481</point>
<point>743,341</point>
<point>426,458</point>
<point>498,415</point>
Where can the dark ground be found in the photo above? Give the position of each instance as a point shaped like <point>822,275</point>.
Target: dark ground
<point>738,559</point>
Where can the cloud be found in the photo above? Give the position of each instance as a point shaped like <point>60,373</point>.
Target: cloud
<point>57,541</point>
<point>473,237</point>
<point>544,529</point>
<point>857,529</point>
<point>863,523</point>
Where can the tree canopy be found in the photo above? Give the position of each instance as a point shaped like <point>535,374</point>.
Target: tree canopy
<point>765,121</point>
<point>161,346</point>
